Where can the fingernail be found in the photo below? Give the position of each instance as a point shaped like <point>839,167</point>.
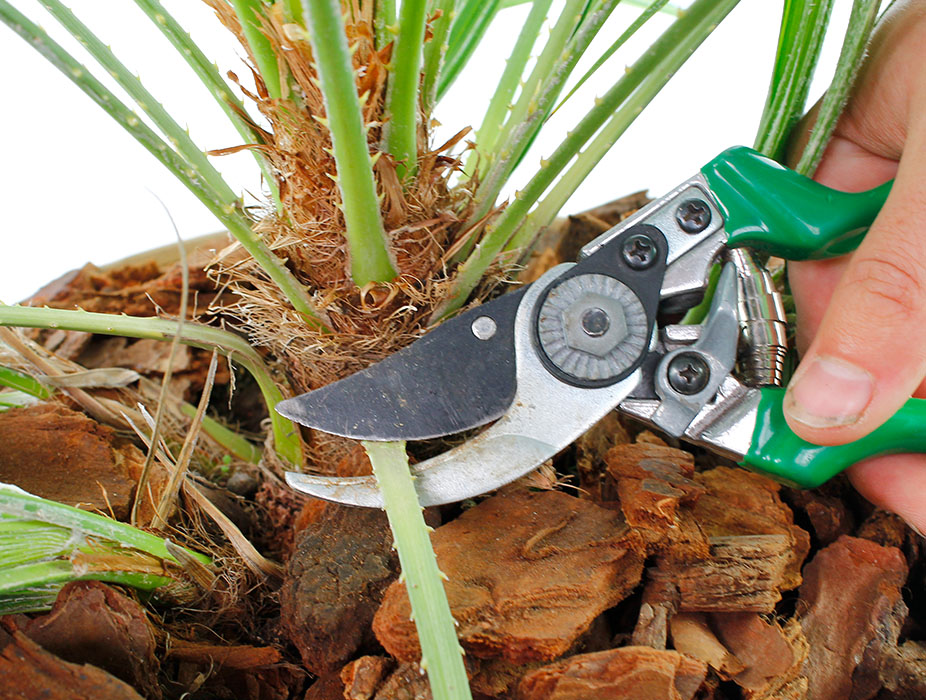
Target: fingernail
<point>827,392</point>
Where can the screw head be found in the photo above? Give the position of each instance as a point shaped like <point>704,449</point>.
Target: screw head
<point>693,215</point>
<point>639,251</point>
<point>596,322</point>
<point>688,373</point>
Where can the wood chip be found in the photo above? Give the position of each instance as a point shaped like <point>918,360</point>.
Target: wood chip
<point>853,610</point>
<point>512,560</point>
<point>631,673</point>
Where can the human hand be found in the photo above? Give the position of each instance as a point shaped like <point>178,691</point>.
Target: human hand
<point>862,318</point>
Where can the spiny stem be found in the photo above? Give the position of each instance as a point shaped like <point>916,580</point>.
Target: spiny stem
<point>650,10</point>
<point>441,654</point>
<point>177,135</point>
<point>861,24</point>
<point>435,50</point>
<point>286,435</point>
<point>209,75</point>
<point>666,54</point>
<point>228,212</point>
<point>500,103</point>
<point>472,19</point>
<point>366,238</point>
<point>249,14</point>
<point>383,21</point>
<point>574,31</point>
<point>803,25</point>
<point>400,132</point>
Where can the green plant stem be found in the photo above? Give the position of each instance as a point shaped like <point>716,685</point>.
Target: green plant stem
<point>21,381</point>
<point>435,50</point>
<point>472,19</point>
<point>500,103</point>
<point>286,435</point>
<point>366,238</point>
<point>228,212</point>
<point>648,12</point>
<point>19,505</point>
<point>400,132</point>
<point>211,78</point>
<point>803,25</point>
<point>441,654</point>
<point>861,23</point>
<point>655,66</point>
<point>292,11</point>
<point>383,21</point>
<point>226,437</point>
<point>177,135</point>
<point>641,88</point>
<point>250,14</point>
<point>574,31</point>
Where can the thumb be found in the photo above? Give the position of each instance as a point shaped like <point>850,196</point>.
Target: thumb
<point>869,353</point>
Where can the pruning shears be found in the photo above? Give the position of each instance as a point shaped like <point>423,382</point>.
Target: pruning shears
<point>549,360</point>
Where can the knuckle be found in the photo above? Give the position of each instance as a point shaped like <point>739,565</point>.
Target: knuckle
<point>896,284</point>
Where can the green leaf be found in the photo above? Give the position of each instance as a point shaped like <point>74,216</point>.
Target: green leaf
<point>14,379</point>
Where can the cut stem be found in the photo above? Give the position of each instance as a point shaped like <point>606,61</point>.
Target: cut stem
<point>441,654</point>
<point>366,238</point>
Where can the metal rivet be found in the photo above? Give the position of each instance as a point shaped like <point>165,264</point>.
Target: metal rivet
<point>693,215</point>
<point>688,373</point>
<point>595,322</point>
<point>484,328</point>
<point>639,251</point>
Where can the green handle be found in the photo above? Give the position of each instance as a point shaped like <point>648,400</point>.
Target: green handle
<point>782,455</point>
<point>773,209</point>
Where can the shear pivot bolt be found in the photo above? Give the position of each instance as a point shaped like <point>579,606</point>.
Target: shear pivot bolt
<point>693,215</point>
<point>484,328</point>
<point>595,322</point>
<point>639,251</point>
<point>688,373</point>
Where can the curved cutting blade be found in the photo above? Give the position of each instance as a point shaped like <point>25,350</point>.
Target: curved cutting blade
<point>459,376</point>
<point>525,436</point>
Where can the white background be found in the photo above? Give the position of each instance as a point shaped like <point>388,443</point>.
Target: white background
<point>74,187</point>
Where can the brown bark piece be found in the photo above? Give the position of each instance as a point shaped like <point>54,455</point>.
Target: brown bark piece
<point>361,678</point>
<point>28,671</point>
<point>829,515</point>
<point>851,594</point>
<point>652,481</point>
<point>591,451</point>
<point>631,673</point>
<point>738,502</point>
<point>60,454</point>
<point>660,602</point>
<point>742,574</point>
<point>692,635</point>
<point>327,687</point>
<point>92,623</point>
<point>335,579</point>
<point>528,573</point>
<point>764,649</point>
<point>904,672</point>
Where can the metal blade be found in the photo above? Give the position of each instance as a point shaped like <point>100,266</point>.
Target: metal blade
<point>524,437</point>
<point>459,376</point>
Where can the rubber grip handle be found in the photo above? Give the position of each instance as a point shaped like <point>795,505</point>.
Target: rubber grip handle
<point>779,453</point>
<point>770,208</point>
